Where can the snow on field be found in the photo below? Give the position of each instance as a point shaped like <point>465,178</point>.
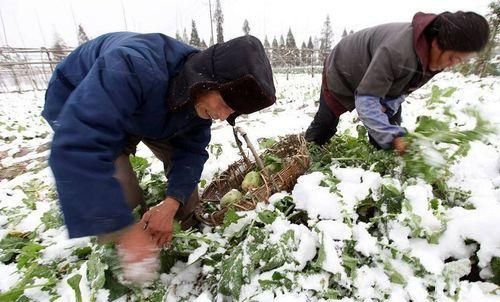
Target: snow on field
<point>27,196</point>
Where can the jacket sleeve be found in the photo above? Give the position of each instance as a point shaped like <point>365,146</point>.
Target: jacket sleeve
<point>188,157</point>
<point>370,113</point>
<point>89,134</point>
<point>392,105</point>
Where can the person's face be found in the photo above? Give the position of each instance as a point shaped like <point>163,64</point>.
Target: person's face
<point>211,105</point>
<point>441,59</point>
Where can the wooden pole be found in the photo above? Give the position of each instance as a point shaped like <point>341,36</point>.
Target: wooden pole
<point>4,32</point>
<point>211,22</point>
<point>124,15</point>
<point>74,20</point>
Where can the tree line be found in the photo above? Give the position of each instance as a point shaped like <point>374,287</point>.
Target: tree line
<point>281,52</point>
<point>286,52</point>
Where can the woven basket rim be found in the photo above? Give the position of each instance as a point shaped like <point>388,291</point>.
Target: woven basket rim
<point>295,166</point>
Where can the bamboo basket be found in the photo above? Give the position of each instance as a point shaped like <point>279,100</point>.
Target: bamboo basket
<point>292,149</point>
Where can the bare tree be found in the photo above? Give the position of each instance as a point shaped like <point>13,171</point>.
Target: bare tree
<point>3,27</point>
<point>267,48</point>
<point>281,51</point>
<point>195,38</point>
<point>292,56</point>
<point>219,19</point>
<point>185,38</point>
<point>326,39</point>
<point>483,64</point>
<point>82,35</point>
<point>306,52</point>
<point>246,27</point>
<point>344,33</point>
<point>275,52</point>
<point>59,47</point>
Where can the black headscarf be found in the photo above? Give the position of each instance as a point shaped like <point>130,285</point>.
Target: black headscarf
<point>238,68</point>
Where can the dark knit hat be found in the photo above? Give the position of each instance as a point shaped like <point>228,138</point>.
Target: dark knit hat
<point>238,69</point>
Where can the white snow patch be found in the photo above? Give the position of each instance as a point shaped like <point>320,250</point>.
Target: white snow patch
<point>332,262</point>
<point>9,275</point>
<point>366,244</point>
<point>317,282</point>
<point>315,199</point>
<point>197,253</point>
<point>419,197</point>
<point>246,218</point>
<point>416,290</point>
<point>335,229</point>
<point>399,234</point>
<point>356,184</point>
<point>371,282</point>
<point>59,246</point>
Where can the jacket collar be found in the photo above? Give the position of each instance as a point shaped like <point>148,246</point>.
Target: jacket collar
<point>420,43</point>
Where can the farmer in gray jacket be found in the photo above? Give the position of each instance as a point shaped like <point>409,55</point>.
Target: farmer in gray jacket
<point>374,69</point>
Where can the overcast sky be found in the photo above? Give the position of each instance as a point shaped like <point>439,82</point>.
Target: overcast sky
<point>33,23</point>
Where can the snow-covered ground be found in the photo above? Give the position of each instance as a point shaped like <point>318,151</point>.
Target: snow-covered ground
<point>28,204</point>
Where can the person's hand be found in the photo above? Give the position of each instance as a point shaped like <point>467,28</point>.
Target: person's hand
<point>399,145</point>
<point>159,221</point>
<point>138,254</point>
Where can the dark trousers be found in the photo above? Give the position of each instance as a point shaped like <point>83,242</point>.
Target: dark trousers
<point>130,185</point>
<point>324,125</point>
<point>134,197</point>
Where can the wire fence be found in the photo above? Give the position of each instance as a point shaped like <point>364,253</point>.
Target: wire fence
<point>30,69</point>
<point>27,69</point>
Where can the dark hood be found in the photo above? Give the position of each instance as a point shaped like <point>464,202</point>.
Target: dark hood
<point>238,68</point>
<point>420,43</point>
